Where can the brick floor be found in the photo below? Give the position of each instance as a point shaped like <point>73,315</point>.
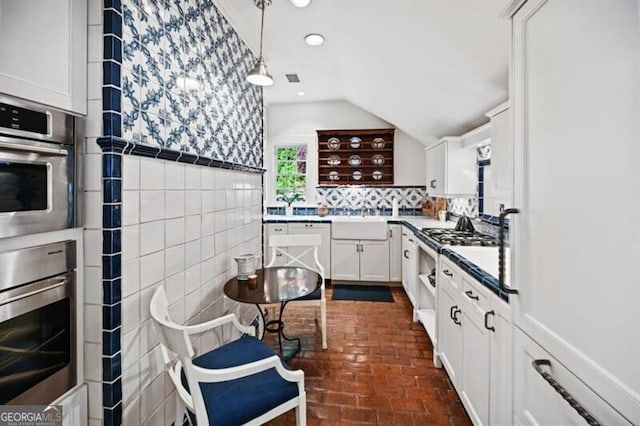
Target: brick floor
<point>378,368</point>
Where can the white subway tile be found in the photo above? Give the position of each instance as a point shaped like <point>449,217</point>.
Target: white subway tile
<point>192,304</point>
<point>152,398</point>
<point>130,312</point>
<point>145,298</point>
<point>93,285</point>
<point>155,418</point>
<point>220,243</point>
<point>176,311</point>
<point>130,172</point>
<point>208,248</point>
<point>174,176</point>
<point>151,362</point>
<point>192,253</point>
<point>93,323</point>
<point>130,277</point>
<point>131,413</point>
<point>93,121</point>
<point>175,231</point>
<point>131,349</point>
<point>208,179</point>
<point>230,198</point>
<point>151,206</point>
<point>208,201</point>
<point>174,204</point>
<point>169,408</point>
<point>151,269</point>
<point>220,222</point>
<point>192,279</point>
<point>174,260</point>
<point>130,392</point>
<point>95,43</point>
<point>94,80</point>
<point>193,227</point>
<point>90,146</point>
<point>151,173</point>
<point>174,287</point>
<point>220,202</point>
<point>208,224</point>
<point>94,397</point>
<point>93,361</point>
<point>94,13</point>
<point>93,172</point>
<point>151,237</point>
<point>193,177</point>
<point>130,242</point>
<point>93,248</point>
<point>207,270</point>
<point>193,202</point>
<point>130,208</point>
<point>92,210</point>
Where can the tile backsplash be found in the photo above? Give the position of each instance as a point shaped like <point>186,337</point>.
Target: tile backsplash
<point>370,197</point>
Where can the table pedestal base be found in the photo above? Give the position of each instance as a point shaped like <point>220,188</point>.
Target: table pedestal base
<point>276,326</point>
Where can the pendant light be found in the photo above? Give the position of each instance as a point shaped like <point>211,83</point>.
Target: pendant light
<point>259,75</point>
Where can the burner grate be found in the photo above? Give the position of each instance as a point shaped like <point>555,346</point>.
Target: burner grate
<point>451,237</point>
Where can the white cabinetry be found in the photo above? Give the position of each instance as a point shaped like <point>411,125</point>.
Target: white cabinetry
<point>409,265</point>
<point>498,188</point>
<point>474,345</point>
<point>451,169</point>
<point>43,46</point>
<point>575,111</point>
<point>359,260</point>
<point>322,229</point>
<point>395,253</point>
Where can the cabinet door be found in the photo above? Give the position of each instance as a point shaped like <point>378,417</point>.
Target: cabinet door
<point>577,300</point>
<point>450,336</point>
<point>436,157</point>
<point>274,229</point>
<point>395,253</point>
<point>374,260</point>
<point>501,363</point>
<point>43,46</point>
<point>322,229</point>
<point>476,351</point>
<point>345,260</point>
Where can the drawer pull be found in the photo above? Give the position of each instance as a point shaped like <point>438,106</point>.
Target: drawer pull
<point>455,316</point>
<point>406,255</point>
<point>447,273</point>
<point>471,296</point>
<point>537,365</point>
<point>486,321</point>
<point>453,308</point>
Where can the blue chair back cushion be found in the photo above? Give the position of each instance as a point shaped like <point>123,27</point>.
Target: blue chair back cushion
<point>238,401</point>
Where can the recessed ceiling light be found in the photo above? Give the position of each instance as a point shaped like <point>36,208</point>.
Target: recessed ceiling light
<point>300,93</point>
<point>301,3</point>
<point>314,39</point>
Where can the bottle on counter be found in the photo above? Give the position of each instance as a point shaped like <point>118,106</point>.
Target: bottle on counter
<point>394,207</point>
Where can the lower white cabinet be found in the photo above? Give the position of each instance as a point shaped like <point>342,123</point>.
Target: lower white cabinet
<point>474,345</point>
<point>360,260</point>
<point>409,265</point>
<point>322,229</point>
<point>395,253</point>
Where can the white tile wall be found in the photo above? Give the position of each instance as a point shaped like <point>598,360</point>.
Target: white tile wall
<point>183,224</point>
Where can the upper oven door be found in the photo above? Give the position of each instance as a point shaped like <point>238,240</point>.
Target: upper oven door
<point>36,187</point>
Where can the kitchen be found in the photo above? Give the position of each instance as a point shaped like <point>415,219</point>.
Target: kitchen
<point>168,164</point>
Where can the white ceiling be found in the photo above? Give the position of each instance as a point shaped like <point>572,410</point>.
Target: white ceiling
<point>429,67</point>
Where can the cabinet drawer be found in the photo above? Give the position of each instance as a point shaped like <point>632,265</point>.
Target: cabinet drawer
<point>537,403</point>
<point>476,295</point>
<point>277,228</point>
<point>308,226</point>
<point>449,275</point>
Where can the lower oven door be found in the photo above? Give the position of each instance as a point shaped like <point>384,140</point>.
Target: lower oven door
<point>37,341</point>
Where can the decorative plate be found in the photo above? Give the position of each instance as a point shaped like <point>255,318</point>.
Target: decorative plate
<point>333,160</point>
<point>357,175</point>
<point>333,143</point>
<point>333,175</point>
<point>355,160</point>
<point>377,143</point>
<point>377,160</point>
<point>355,142</point>
<point>377,175</point>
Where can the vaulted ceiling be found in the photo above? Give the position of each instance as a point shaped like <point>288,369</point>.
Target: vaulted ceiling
<point>429,67</point>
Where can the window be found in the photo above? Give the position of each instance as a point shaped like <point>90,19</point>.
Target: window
<point>291,173</point>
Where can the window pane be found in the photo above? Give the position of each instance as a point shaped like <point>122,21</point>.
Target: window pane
<point>302,153</point>
<point>302,167</point>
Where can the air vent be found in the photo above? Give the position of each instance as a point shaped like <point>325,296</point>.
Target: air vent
<point>293,78</point>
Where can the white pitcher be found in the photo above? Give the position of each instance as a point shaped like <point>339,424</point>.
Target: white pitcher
<point>246,265</point>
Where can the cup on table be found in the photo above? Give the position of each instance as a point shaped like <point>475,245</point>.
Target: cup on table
<point>252,281</point>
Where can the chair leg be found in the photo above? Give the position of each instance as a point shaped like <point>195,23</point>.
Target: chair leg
<point>323,323</point>
<point>301,410</point>
<point>181,410</point>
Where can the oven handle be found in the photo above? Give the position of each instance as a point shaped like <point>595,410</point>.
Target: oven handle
<point>33,148</point>
<point>42,286</point>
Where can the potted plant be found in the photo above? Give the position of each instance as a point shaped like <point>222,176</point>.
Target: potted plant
<point>290,198</point>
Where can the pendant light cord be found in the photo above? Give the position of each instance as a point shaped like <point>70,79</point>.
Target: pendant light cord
<point>262,4</point>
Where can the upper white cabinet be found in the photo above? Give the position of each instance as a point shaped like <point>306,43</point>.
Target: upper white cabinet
<point>575,108</point>
<point>451,169</point>
<point>498,188</point>
<point>43,52</point>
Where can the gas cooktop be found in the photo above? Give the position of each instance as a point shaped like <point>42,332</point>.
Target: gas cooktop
<point>451,237</point>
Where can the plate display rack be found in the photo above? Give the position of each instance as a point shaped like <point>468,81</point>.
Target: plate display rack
<point>355,157</point>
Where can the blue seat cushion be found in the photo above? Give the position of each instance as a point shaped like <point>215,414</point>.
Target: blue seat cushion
<point>237,401</point>
<point>316,295</point>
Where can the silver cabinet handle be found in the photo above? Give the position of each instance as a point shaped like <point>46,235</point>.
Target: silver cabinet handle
<point>537,365</point>
<point>30,148</point>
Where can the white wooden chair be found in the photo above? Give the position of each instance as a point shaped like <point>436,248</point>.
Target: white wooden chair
<point>242,381</point>
<point>280,245</point>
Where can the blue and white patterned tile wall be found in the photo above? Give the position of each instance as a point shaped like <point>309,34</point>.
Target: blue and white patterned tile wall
<point>371,197</point>
<point>184,82</point>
